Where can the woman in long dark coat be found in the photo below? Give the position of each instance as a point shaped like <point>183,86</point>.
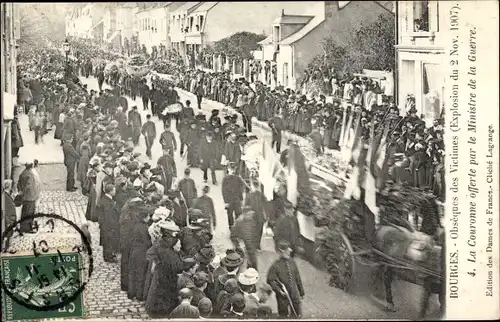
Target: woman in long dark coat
<point>90,213</point>
<point>126,226</point>
<point>162,296</point>
<point>140,242</point>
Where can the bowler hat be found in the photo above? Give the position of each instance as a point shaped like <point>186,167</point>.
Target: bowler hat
<point>232,260</point>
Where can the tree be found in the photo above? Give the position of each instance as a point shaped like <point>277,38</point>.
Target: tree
<point>41,22</point>
<point>237,46</point>
<point>372,46</point>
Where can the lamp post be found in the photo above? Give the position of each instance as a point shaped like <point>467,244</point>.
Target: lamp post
<point>66,50</point>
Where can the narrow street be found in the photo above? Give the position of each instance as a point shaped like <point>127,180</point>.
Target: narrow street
<point>321,300</point>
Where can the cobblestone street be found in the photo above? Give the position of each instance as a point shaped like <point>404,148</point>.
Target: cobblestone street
<point>103,297</point>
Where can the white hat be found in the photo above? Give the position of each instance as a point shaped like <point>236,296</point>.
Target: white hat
<point>161,213</point>
<point>137,182</point>
<point>168,225</point>
<point>249,277</point>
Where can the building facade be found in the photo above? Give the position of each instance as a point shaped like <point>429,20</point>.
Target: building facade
<point>420,53</point>
<point>296,39</point>
<point>179,26</point>
<point>11,32</point>
<point>86,20</point>
<point>125,20</point>
<point>111,33</point>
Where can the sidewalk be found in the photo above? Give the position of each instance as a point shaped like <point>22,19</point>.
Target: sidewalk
<point>47,152</point>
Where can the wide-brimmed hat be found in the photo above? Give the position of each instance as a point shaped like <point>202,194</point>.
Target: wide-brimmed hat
<point>249,277</point>
<point>168,225</point>
<point>232,260</point>
<point>188,263</point>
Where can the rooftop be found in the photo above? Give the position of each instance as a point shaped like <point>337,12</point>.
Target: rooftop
<point>293,19</point>
<point>205,6</point>
<point>188,6</point>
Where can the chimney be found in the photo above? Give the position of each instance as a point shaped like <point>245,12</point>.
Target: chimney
<point>282,12</point>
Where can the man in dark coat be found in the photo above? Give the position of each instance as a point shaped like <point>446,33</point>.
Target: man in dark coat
<point>135,121</point>
<point>244,229</point>
<point>232,193</point>
<point>149,132</point>
<point>69,126</point>
<point>257,202</point>
<point>277,126</point>
<point>232,151</point>
<point>29,188</point>
<point>285,274</point>
<point>187,112</point>
<point>121,118</point>
<point>144,91</point>
<point>109,223</point>
<point>156,99</point>
<point>188,188</point>
<point>71,157</point>
<point>100,78</point>
<point>208,157</point>
<point>287,228</point>
<point>206,205</point>
<point>168,141</point>
<point>199,93</point>
<point>169,170</point>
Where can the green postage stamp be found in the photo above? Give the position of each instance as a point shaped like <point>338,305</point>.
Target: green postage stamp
<point>42,286</point>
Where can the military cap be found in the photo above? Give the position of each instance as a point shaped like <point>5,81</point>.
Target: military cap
<point>137,154</point>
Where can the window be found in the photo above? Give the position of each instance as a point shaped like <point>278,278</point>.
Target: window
<point>406,87</point>
<point>191,20</point>
<point>201,22</point>
<point>432,91</point>
<point>420,16</point>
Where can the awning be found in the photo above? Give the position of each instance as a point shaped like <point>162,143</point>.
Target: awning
<point>97,24</point>
<point>9,102</point>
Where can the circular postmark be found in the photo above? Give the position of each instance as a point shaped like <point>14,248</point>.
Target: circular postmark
<point>48,268</point>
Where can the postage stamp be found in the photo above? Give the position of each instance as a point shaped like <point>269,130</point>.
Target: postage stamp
<point>47,285</point>
<point>44,273</point>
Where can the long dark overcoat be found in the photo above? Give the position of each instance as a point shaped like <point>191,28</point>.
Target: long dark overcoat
<point>140,242</point>
<point>162,296</point>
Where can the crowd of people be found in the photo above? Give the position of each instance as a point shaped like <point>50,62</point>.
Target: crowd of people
<point>421,145</point>
<point>158,228</point>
